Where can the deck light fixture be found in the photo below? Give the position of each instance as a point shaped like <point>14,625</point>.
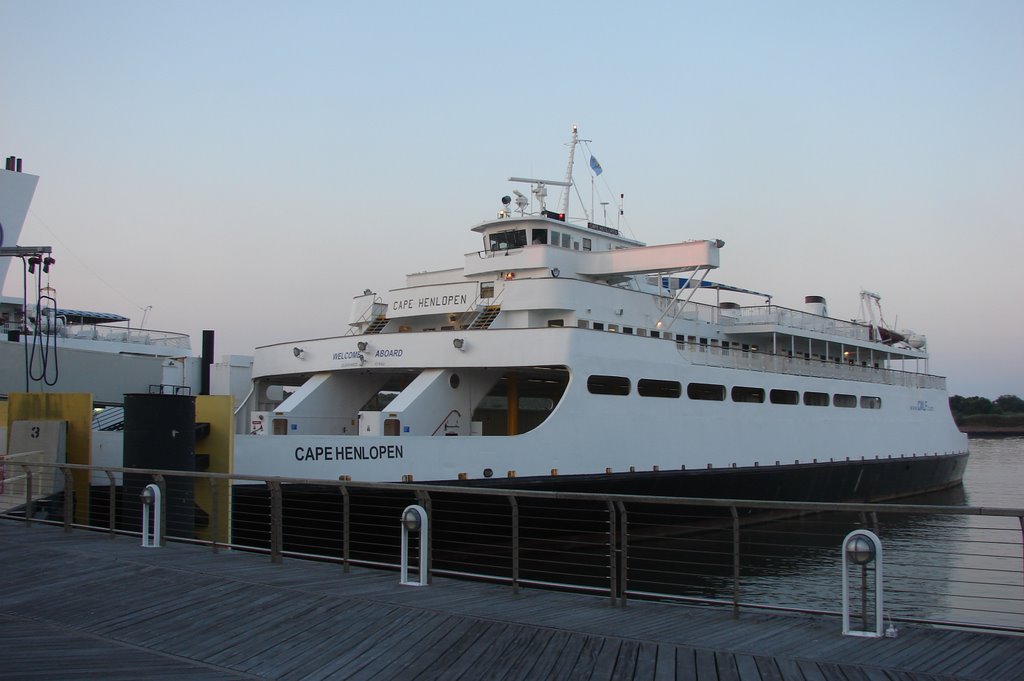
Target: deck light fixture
<point>458,343</point>
<point>361,345</point>
<point>298,352</point>
<point>862,547</point>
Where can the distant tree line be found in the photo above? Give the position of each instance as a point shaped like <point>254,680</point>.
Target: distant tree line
<point>1004,404</point>
<point>1006,411</point>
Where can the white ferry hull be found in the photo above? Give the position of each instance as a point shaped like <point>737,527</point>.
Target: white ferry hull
<point>646,444</point>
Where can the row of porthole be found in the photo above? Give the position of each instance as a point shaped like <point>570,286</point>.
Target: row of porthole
<point>649,387</point>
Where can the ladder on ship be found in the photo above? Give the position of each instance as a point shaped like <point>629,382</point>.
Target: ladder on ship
<point>486,316</point>
<point>377,325</point>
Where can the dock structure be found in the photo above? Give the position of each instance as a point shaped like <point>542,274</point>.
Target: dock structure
<point>85,605</point>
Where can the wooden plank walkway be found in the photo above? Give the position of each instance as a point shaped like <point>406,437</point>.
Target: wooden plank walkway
<point>85,606</point>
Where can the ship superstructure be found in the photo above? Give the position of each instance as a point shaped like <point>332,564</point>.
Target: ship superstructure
<point>566,355</point>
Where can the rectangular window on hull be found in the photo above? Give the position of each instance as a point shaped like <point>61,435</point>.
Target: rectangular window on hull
<point>743,394</point>
<point>706,391</point>
<point>841,400</point>
<point>784,396</point>
<point>816,399</point>
<point>649,387</point>
<point>608,385</point>
<point>870,402</point>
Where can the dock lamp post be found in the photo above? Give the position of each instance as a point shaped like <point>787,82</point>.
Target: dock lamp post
<point>150,497</point>
<point>862,548</point>
<point>414,518</point>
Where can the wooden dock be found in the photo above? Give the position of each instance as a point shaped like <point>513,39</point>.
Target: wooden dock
<point>85,606</point>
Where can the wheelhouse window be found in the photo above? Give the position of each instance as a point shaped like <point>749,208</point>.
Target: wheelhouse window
<point>778,396</point>
<point>706,391</point>
<point>870,402</point>
<point>842,400</point>
<point>744,394</point>
<point>650,387</point>
<point>812,399</point>
<point>540,236</point>
<point>503,241</point>
<point>608,385</point>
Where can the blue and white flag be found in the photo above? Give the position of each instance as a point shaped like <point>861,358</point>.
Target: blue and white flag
<point>595,166</point>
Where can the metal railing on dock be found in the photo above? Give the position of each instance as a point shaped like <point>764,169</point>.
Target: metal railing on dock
<point>945,564</point>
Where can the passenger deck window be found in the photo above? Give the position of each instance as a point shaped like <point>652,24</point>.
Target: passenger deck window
<point>841,400</point>
<point>706,391</point>
<point>812,399</point>
<point>870,402</point>
<point>608,385</point>
<point>743,394</point>
<point>650,387</point>
<point>778,396</point>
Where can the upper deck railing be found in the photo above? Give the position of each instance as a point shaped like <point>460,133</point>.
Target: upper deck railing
<point>122,334</point>
<point>767,315</point>
<point>712,355</point>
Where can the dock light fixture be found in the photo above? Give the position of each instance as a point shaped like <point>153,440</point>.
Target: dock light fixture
<point>411,519</point>
<point>859,550</point>
<point>862,547</point>
<point>361,345</point>
<point>152,536</point>
<point>458,343</point>
<point>414,520</point>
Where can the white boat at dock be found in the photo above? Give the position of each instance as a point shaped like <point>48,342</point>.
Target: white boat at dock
<point>562,354</point>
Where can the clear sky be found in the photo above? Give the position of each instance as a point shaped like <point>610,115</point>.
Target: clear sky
<point>248,167</point>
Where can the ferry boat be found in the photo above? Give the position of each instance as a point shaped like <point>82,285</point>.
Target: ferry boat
<point>565,355</point>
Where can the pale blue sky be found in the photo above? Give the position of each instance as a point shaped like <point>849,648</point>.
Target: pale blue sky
<point>250,166</point>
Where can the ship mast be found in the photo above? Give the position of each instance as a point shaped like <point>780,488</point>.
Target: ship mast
<point>564,203</point>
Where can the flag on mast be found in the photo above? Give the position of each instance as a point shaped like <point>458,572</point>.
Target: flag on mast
<point>595,166</point>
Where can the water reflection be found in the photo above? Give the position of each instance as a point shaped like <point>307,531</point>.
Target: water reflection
<point>936,567</point>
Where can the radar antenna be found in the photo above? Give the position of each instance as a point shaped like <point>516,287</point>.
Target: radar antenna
<point>539,188</point>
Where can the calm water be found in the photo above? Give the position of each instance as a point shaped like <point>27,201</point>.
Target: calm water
<point>947,568</point>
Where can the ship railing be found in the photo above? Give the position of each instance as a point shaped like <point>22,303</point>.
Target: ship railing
<point>763,315</point>
<point>948,565</point>
<point>773,315</point>
<point>732,358</point>
<point>122,334</point>
<point>691,311</point>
